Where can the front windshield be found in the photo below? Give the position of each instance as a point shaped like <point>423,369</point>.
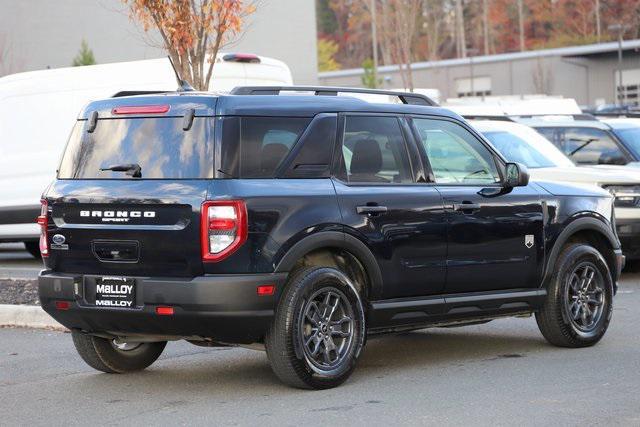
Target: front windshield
<point>532,150</point>
<point>631,139</point>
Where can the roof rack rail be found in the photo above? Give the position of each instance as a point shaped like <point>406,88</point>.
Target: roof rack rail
<point>405,97</point>
<point>576,117</point>
<point>629,115</point>
<point>487,117</point>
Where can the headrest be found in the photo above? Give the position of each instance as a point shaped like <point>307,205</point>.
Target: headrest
<point>366,158</point>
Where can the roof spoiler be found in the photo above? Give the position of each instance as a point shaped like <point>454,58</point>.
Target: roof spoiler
<point>137,92</point>
<point>404,97</point>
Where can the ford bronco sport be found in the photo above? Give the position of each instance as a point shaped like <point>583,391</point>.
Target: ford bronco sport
<point>305,223</point>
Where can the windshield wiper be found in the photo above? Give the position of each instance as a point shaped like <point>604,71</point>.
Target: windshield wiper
<point>226,173</point>
<point>132,169</point>
<point>586,142</point>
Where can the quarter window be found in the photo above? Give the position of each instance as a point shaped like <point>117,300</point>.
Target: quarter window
<point>374,151</point>
<point>456,156</point>
<point>254,147</point>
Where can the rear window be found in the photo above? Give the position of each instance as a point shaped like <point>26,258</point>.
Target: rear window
<point>160,146</point>
<point>254,147</point>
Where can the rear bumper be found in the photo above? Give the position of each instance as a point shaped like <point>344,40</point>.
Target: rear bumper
<point>621,260</point>
<point>19,232</point>
<point>18,223</point>
<point>225,308</point>
<point>629,235</point>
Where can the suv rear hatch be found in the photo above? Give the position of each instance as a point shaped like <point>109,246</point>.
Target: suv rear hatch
<point>130,188</point>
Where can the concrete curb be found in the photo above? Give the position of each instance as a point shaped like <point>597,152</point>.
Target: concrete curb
<point>27,316</point>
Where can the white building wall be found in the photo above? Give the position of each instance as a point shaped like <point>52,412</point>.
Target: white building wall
<point>48,33</point>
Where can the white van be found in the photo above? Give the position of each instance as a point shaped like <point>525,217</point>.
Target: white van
<point>39,108</point>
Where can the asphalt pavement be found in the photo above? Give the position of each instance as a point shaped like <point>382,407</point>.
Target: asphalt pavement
<point>501,373</point>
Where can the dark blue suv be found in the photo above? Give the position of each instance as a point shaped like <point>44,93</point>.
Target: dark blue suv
<point>305,223</point>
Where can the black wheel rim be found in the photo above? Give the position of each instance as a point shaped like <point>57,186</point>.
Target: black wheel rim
<point>585,297</point>
<point>327,329</point>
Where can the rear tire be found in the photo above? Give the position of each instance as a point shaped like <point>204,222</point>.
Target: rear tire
<point>579,301</point>
<point>318,331</point>
<point>104,355</point>
<point>33,248</point>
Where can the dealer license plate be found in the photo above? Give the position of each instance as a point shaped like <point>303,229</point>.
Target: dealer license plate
<point>119,292</point>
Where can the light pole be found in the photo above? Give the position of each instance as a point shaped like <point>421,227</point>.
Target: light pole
<point>619,88</point>
<point>374,42</point>
<point>471,52</point>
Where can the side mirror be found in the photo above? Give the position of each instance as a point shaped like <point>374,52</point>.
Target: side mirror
<point>516,175</point>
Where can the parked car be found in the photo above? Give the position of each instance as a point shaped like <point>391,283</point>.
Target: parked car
<point>611,109</point>
<point>38,108</point>
<point>304,224</point>
<point>627,130</point>
<point>519,143</point>
<point>587,142</point>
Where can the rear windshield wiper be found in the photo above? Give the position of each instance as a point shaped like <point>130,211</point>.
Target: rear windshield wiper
<point>133,169</point>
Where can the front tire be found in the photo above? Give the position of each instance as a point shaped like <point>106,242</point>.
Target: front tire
<point>579,301</point>
<point>318,331</point>
<point>107,356</point>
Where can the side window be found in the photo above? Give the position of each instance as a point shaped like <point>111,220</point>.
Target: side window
<point>256,147</point>
<point>374,150</point>
<point>587,146</point>
<point>456,156</point>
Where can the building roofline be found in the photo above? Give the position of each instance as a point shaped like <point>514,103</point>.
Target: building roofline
<point>562,51</point>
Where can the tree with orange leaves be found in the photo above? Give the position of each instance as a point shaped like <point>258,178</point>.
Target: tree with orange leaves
<point>192,31</point>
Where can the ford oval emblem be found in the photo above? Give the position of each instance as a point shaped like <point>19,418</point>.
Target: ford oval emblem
<point>58,239</point>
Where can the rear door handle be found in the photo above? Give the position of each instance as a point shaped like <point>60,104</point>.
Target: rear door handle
<point>466,206</point>
<point>368,210</point>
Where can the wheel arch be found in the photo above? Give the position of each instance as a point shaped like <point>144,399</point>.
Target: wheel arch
<point>586,230</point>
<point>335,242</point>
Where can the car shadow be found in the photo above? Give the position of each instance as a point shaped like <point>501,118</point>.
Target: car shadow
<point>237,370</point>
<point>442,347</point>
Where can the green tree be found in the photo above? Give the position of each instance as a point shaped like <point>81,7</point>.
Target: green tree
<point>369,76</point>
<point>84,56</point>
<point>326,51</point>
<point>325,18</point>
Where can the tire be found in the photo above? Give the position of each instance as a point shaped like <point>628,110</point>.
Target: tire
<point>302,316</point>
<point>579,302</point>
<point>103,354</point>
<point>33,248</point>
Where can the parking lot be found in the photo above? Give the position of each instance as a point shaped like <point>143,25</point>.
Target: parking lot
<point>501,373</point>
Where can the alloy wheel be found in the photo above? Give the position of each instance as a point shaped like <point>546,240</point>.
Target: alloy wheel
<point>585,297</point>
<point>327,329</point>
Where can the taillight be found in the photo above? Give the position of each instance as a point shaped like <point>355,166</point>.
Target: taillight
<point>223,228</point>
<point>43,222</point>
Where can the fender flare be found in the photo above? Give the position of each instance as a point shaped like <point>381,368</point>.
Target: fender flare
<point>580,224</point>
<point>335,239</point>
